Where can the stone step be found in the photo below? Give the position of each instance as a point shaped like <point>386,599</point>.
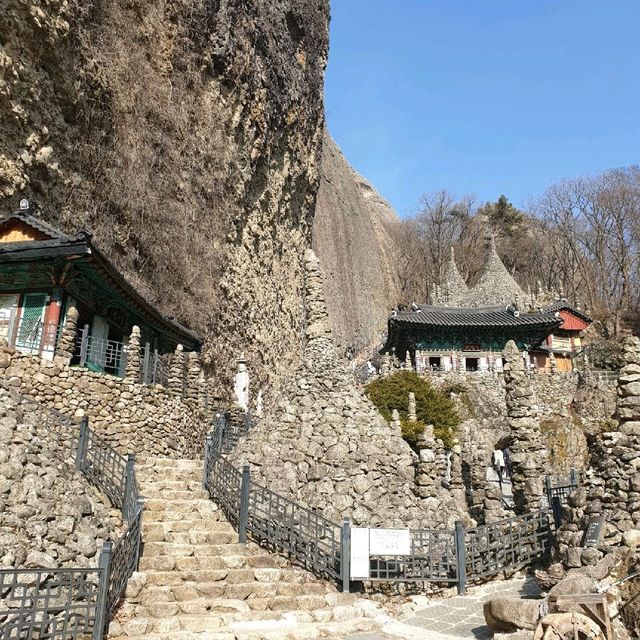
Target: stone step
<point>178,550</point>
<point>194,517</point>
<point>190,537</point>
<point>278,630</point>
<point>205,563</point>
<point>183,526</point>
<point>169,463</point>
<point>183,506</point>
<point>154,493</point>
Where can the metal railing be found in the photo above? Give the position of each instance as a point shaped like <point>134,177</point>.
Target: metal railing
<point>323,546</point>
<point>155,370</point>
<point>433,558</point>
<point>227,430</point>
<point>99,354</point>
<point>38,339</point>
<point>560,487</point>
<point>74,603</point>
<point>508,544</point>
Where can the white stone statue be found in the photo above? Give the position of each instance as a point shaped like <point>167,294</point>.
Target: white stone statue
<point>241,384</point>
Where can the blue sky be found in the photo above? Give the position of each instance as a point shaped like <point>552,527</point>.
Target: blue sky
<point>483,96</point>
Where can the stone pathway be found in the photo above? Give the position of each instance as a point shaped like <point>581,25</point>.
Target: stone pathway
<point>462,616</point>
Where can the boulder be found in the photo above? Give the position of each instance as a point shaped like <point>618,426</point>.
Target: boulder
<point>511,614</point>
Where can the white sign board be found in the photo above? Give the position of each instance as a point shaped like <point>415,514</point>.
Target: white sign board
<point>390,542</point>
<point>359,554</point>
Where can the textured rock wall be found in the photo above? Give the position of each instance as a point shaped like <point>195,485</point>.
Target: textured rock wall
<point>50,516</point>
<point>353,238</point>
<point>133,418</point>
<point>325,445</point>
<point>186,136</point>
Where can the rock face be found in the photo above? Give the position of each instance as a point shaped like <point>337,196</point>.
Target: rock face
<point>186,137</point>
<point>528,454</point>
<point>326,446</point>
<point>353,237</point>
<point>50,516</point>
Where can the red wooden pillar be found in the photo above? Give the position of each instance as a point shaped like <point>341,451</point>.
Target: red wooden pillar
<point>51,322</point>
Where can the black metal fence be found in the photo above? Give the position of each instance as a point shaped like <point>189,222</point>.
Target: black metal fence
<point>74,603</point>
<point>323,546</point>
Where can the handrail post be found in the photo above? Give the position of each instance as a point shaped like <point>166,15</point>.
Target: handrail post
<point>82,442</point>
<point>221,425</point>
<point>128,481</point>
<point>138,509</point>
<point>243,519</point>
<point>461,558</point>
<point>556,507</point>
<point>548,487</point>
<point>84,345</point>
<point>208,445</point>
<point>103,590</point>
<point>574,477</point>
<point>345,554</point>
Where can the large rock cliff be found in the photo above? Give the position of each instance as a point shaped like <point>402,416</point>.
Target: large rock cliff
<point>353,235</point>
<point>186,137</point>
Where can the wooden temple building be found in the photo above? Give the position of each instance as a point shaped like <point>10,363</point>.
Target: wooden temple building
<point>466,329</point>
<point>43,272</point>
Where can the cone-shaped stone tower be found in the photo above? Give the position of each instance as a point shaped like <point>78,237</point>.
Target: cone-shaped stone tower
<point>496,286</point>
<point>453,288</point>
<point>326,446</point>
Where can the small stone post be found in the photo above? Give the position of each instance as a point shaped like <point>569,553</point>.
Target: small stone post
<point>428,475</point>
<point>176,371</point>
<point>407,361</point>
<point>385,365</point>
<point>132,366</point>
<point>412,407</point>
<point>528,454</point>
<point>553,364</point>
<point>67,342</point>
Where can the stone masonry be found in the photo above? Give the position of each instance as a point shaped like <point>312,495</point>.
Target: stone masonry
<point>132,417</point>
<point>528,453</point>
<point>325,445</point>
<point>50,516</point>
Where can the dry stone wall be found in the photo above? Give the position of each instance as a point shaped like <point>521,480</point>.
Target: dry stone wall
<point>133,418</point>
<point>325,445</point>
<point>50,516</point>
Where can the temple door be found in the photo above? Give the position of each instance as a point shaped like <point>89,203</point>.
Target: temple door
<point>31,320</point>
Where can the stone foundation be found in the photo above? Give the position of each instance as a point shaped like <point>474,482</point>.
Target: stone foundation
<point>132,417</point>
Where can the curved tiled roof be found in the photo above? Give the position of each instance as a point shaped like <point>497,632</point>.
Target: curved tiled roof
<point>563,305</point>
<point>492,316</point>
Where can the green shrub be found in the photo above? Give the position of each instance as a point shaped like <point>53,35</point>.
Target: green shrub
<point>432,406</point>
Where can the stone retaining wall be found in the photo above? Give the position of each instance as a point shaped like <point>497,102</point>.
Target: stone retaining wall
<point>143,419</point>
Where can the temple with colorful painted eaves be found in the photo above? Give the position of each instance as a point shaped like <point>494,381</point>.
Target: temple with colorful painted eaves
<point>466,329</point>
<point>45,272</point>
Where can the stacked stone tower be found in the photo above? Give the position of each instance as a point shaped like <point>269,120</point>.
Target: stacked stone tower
<point>528,453</point>
<point>324,444</point>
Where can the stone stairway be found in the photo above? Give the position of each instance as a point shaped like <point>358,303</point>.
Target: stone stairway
<point>196,581</point>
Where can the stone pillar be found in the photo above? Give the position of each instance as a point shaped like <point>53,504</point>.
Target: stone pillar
<point>203,392</point>
<point>241,384</point>
<point>528,454</point>
<point>385,365</point>
<point>395,421</point>
<point>427,478</point>
<point>412,407</point>
<point>132,366</point>
<point>176,371</point>
<point>193,376</point>
<point>456,483</point>
<point>407,361</point>
<point>553,364</point>
<point>68,337</point>
<point>613,482</point>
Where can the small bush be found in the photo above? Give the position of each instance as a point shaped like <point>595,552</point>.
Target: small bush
<point>432,406</point>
